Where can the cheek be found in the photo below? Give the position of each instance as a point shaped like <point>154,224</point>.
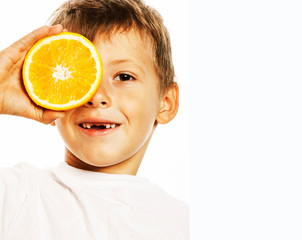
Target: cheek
<point>141,109</point>
<point>64,128</point>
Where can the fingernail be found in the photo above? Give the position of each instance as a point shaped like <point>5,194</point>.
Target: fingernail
<point>57,27</point>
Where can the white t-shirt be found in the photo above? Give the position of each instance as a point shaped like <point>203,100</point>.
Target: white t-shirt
<point>69,203</point>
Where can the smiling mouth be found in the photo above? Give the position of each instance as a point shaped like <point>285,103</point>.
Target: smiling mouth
<point>99,126</point>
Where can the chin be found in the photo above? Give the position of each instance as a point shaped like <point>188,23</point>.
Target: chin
<point>100,162</point>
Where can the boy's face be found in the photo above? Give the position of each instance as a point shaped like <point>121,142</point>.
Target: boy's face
<point>118,121</point>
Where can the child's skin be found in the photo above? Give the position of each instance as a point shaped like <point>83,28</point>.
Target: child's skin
<point>129,97</point>
<point>13,98</point>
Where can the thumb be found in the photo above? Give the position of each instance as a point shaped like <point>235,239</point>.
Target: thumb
<point>49,116</point>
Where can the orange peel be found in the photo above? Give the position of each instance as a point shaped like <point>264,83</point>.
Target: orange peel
<point>62,72</point>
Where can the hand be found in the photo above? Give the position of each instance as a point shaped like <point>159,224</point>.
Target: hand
<point>13,97</point>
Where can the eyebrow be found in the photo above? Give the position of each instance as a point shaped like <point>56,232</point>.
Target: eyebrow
<point>128,60</point>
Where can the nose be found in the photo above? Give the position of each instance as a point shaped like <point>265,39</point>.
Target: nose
<point>100,99</point>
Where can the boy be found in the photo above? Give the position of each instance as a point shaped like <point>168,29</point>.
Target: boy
<point>95,193</point>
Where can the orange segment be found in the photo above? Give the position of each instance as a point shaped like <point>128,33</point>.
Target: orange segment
<point>62,72</point>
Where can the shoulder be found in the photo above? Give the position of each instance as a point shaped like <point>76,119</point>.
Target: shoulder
<point>167,211</point>
<point>23,177</point>
<point>18,179</point>
<point>166,198</point>
<point>15,186</point>
<point>17,172</point>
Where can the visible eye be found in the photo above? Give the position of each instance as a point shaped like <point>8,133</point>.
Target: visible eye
<point>124,77</point>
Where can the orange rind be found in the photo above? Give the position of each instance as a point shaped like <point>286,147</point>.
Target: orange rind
<point>62,72</point>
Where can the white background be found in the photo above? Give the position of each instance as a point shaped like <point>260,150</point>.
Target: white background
<point>166,162</point>
<point>246,72</point>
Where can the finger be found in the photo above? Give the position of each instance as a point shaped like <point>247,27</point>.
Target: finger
<point>50,116</point>
<point>56,29</point>
<point>25,43</point>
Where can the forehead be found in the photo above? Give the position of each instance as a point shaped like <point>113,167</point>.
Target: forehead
<point>130,44</point>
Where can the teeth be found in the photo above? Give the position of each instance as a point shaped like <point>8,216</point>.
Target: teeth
<point>89,125</point>
<point>86,125</point>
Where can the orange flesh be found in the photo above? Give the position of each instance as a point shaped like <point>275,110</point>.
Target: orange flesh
<point>61,71</point>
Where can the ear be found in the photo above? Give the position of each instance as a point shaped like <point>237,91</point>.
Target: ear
<point>169,105</point>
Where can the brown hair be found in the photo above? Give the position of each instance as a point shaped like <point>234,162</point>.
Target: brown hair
<point>89,17</point>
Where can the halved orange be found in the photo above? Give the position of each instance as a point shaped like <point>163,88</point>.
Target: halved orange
<point>62,72</point>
